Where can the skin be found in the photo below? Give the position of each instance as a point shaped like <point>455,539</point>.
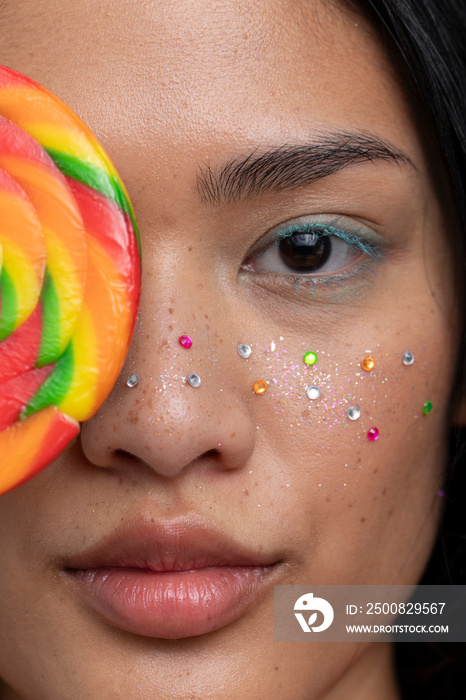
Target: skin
<point>169,88</point>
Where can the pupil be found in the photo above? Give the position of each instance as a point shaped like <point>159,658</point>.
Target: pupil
<point>305,252</point>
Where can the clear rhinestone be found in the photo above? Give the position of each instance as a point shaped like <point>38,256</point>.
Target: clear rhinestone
<point>353,412</point>
<point>132,380</point>
<point>244,350</point>
<point>408,358</point>
<point>194,380</point>
<point>313,392</point>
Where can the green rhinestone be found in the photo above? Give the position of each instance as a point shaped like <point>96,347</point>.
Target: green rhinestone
<point>427,408</point>
<point>310,358</point>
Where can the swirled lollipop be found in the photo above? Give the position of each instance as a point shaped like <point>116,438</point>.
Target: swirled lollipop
<point>69,276</point>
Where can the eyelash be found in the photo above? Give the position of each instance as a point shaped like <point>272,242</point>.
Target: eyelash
<point>357,238</point>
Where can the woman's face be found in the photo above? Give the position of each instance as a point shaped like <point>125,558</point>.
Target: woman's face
<point>284,202</point>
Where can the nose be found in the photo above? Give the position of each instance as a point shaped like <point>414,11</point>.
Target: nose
<point>155,418</point>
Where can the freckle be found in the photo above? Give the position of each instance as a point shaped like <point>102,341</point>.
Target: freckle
<point>375,470</point>
<point>384,491</point>
<point>327,499</point>
<point>246,492</point>
<point>171,310</point>
<point>170,327</point>
<point>233,435</point>
<point>390,513</point>
<point>363,520</point>
<point>276,668</point>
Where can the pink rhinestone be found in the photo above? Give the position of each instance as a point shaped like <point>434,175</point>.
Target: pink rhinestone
<point>185,341</point>
<point>373,434</point>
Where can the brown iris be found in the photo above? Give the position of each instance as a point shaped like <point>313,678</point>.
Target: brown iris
<point>305,252</point>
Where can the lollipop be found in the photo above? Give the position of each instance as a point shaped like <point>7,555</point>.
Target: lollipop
<point>69,276</point>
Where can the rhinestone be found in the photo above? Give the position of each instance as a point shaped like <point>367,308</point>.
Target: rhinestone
<point>368,364</point>
<point>132,380</point>
<point>194,380</point>
<point>427,408</point>
<point>408,358</point>
<point>353,412</point>
<point>373,434</point>
<point>244,350</point>
<point>260,387</point>
<point>310,358</point>
<point>313,392</point>
<point>185,341</point>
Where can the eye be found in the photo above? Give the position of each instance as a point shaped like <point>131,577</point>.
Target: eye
<point>310,248</point>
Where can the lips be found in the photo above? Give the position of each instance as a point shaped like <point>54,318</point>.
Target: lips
<point>175,579</point>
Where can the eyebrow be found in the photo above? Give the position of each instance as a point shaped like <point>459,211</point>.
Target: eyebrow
<point>292,166</point>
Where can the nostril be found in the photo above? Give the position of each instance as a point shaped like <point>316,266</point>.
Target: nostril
<point>208,453</point>
<point>124,454</point>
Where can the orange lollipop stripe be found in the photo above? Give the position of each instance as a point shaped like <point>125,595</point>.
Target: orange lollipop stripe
<point>32,444</point>
<point>69,276</point>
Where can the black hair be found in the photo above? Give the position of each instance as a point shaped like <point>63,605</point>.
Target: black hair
<point>428,40</point>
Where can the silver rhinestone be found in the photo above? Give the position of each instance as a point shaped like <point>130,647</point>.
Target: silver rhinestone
<point>194,380</point>
<point>132,380</point>
<point>244,350</point>
<point>313,392</point>
<point>353,412</point>
<point>408,358</point>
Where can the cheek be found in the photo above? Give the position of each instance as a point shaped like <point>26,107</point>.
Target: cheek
<point>342,497</point>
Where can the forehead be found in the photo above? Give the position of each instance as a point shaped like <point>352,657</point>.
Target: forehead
<point>210,72</point>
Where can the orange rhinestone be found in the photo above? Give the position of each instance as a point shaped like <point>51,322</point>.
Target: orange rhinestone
<point>260,387</point>
<point>368,364</point>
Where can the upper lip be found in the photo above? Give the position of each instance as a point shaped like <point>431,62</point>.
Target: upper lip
<point>180,544</point>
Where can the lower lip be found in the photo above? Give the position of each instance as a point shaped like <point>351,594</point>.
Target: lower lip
<point>171,605</point>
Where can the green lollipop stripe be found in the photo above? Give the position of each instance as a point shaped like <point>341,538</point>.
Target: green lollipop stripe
<point>9,304</point>
<point>97,179</point>
<point>56,386</point>
<point>50,339</point>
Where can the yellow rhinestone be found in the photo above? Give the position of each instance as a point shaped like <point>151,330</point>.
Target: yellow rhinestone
<point>260,387</point>
<point>368,364</point>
